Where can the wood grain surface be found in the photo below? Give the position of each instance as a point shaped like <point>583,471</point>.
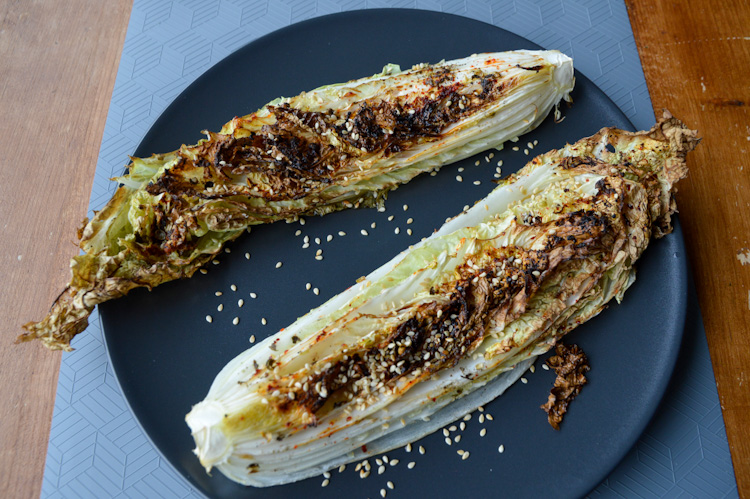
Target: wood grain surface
<point>696,57</point>
<point>58,62</point>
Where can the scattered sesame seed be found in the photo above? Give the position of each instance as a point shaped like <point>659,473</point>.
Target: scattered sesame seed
<point>329,238</point>
<point>459,178</point>
<point>483,432</point>
<point>263,321</point>
<point>317,240</point>
<point>278,265</point>
<point>306,245</point>
<point>465,456</point>
<point>236,321</point>
<point>462,426</point>
<point>526,152</point>
<point>390,485</point>
<point>252,338</point>
<point>215,262</point>
<point>342,233</point>
<point>318,257</point>
<point>536,142</point>
<point>393,462</point>
<point>448,441</point>
<point>477,182</point>
<point>381,469</point>
<point>240,302</point>
<point>301,221</point>
<point>316,291</point>
<point>342,468</point>
<point>409,221</point>
<point>501,449</point>
<point>218,293</point>
<point>411,465</point>
<point>363,232</point>
<point>308,286</point>
<point>457,438</point>
<point>408,447</point>
<point>378,461</point>
<point>233,287</point>
<point>253,295</point>
<point>422,450</point>
<point>545,367</point>
<point>209,318</point>
<point>481,418</point>
<point>530,145</point>
<point>452,428</point>
<point>396,230</point>
<point>326,474</point>
<point>390,218</point>
<point>489,417</point>
<point>460,452</point>
<point>500,163</point>
<point>220,307</point>
<point>476,163</point>
<point>372,225</point>
<point>480,408</point>
<point>515,148</point>
<point>203,271</point>
<point>247,256</point>
<point>325,483</point>
<point>446,433</point>
<point>532,369</point>
<point>524,380</point>
<point>492,155</point>
<point>298,232</point>
<point>382,492</point>
<point>467,417</point>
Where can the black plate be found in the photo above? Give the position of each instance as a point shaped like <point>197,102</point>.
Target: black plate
<point>166,355</point>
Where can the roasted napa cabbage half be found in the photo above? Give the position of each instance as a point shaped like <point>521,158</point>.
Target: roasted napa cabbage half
<point>449,324</point>
<point>335,147</point>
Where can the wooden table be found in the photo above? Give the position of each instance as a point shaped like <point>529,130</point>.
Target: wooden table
<point>58,62</point>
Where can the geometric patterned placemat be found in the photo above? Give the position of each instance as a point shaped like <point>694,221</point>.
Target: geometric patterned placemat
<point>97,449</point>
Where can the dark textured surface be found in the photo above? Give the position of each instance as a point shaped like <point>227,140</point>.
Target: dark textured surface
<point>97,450</point>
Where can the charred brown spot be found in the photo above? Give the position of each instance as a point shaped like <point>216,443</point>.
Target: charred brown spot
<point>571,365</point>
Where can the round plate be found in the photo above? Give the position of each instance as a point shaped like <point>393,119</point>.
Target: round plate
<point>165,355</point>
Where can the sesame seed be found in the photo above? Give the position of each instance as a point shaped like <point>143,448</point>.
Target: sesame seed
<point>477,182</point>
<point>445,433</point>
<point>316,291</point>
<point>298,232</point>
<point>465,456</point>
<point>325,483</point>
<point>252,338</point>
<point>215,262</point>
<point>218,293</point>
<point>363,232</point>
<point>236,321</point>
<point>390,218</point>
<point>372,225</point>
<point>302,221</point>
<point>481,418</point>
<point>240,302</point>
<point>476,163</point>
<point>342,233</point>
<point>390,485</point>
<point>247,256</point>
<point>467,417</point>
<point>253,295</point>
<point>530,145</point>
<point>515,148</point>
<point>329,238</point>
<point>306,245</point>
<point>409,231</point>
<point>411,465</point>
<point>382,492</point>
<point>526,152</point>
<point>422,450</point>
<point>459,178</point>
<point>381,469</point>
<point>489,417</point>
<point>462,426</point>
<point>342,468</point>
<point>501,449</point>
<point>448,441</point>
<point>483,432</point>
<point>545,367</point>
<point>452,428</point>
<point>278,265</point>
<point>457,438</point>
<point>536,142</point>
<point>318,257</point>
<point>326,474</point>
<point>492,155</point>
<point>460,452</point>
<point>308,286</point>
<point>532,369</point>
<point>220,307</point>
<point>209,318</point>
<point>524,380</point>
<point>396,230</point>
<point>393,462</point>
<point>500,163</point>
<point>408,447</point>
<point>263,321</point>
<point>378,461</point>
<point>203,271</point>
<point>317,240</point>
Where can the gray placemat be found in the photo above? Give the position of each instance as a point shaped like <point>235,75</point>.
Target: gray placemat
<point>96,448</point>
